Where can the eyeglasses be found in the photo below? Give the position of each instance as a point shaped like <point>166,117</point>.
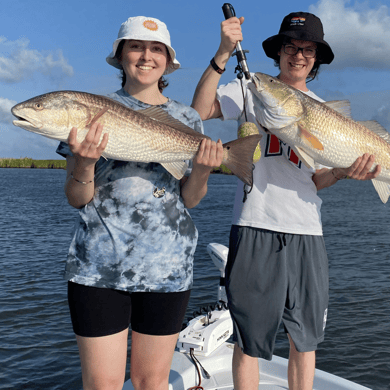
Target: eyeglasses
<point>308,52</point>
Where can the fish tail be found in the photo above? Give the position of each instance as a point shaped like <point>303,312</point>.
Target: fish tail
<point>238,157</point>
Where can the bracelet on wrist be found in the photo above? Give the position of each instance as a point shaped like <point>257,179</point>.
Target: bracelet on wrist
<point>216,67</point>
<point>338,178</point>
<point>79,181</point>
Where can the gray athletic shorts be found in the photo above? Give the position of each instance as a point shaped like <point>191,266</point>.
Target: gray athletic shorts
<point>273,277</point>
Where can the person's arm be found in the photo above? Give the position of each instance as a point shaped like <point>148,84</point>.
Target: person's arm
<point>359,170</point>
<point>204,100</point>
<point>79,185</point>
<point>194,187</point>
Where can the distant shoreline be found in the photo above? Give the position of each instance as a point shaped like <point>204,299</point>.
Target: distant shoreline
<point>61,164</point>
<point>33,164</point>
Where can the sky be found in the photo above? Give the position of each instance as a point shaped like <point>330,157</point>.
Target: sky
<point>62,45</point>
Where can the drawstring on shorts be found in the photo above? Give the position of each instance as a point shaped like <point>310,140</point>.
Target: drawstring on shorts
<point>282,241</point>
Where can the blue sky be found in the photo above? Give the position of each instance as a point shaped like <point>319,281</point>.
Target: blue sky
<point>62,45</point>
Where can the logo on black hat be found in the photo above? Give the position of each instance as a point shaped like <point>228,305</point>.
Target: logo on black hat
<point>302,26</point>
<point>297,21</point>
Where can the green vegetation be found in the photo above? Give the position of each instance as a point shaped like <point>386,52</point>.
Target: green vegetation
<point>30,163</point>
<point>61,164</point>
<point>222,170</point>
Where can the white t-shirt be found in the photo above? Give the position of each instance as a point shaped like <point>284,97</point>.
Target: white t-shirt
<point>284,196</point>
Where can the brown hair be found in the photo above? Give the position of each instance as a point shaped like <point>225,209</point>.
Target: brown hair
<point>162,83</point>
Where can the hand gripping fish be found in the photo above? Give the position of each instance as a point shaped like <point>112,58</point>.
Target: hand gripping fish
<point>320,133</point>
<point>149,135</point>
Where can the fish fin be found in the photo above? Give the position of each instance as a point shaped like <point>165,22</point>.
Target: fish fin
<point>177,168</point>
<point>158,114</point>
<point>383,189</point>
<point>343,107</point>
<point>309,139</point>
<point>97,116</point>
<point>304,157</point>
<point>239,157</point>
<point>377,128</point>
<point>261,127</point>
<point>273,120</point>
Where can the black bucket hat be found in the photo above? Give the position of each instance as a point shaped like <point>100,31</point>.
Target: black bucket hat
<point>302,26</point>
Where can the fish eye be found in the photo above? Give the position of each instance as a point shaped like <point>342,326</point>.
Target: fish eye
<point>38,106</point>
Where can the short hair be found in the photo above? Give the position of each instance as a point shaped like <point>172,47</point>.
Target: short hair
<point>162,83</point>
<point>316,67</point>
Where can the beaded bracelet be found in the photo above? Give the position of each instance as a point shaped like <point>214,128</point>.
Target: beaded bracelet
<point>78,181</point>
<point>216,67</point>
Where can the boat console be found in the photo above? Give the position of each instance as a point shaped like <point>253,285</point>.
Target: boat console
<point>205,333</point>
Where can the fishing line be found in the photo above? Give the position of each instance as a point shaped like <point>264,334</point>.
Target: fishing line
<point>242,69</point>
<point>240,77</point>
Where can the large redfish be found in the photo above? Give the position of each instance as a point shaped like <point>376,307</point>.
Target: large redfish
<point>320,133</point>
<point>150,135</point>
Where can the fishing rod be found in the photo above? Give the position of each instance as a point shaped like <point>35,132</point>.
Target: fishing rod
<point>242,66</point>
<point>246,128</point>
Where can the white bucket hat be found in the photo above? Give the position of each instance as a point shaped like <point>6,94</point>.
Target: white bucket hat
<point>142,28</point>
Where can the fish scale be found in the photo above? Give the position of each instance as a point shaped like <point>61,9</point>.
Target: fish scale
<point>341,131</point>
<point>146,135</point>
<point>320,133</point>
<point>149,135</point>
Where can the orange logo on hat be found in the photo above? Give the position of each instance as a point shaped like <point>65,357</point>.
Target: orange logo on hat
<point>150,25</point>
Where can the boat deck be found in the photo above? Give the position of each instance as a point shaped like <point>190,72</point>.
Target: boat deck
<point>273,374</point>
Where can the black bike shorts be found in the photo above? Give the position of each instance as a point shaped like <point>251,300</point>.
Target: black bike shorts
<point>97,312</point>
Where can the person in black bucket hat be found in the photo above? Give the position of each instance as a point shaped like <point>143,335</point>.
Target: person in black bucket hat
<point>277,270</point>
<point>305,27</point>
<point>302,26</point>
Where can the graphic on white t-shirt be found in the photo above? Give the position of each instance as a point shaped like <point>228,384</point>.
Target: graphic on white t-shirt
<point>276,147</point>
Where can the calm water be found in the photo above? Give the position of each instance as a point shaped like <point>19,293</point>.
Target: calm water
<point>37,345</point>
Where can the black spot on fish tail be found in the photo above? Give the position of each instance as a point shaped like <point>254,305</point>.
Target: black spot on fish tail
<point>240,157</point>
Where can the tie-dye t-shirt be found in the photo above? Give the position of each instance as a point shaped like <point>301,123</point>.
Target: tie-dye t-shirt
<point>136,234</point>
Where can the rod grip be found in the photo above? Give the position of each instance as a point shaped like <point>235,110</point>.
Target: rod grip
<point>228,11</point>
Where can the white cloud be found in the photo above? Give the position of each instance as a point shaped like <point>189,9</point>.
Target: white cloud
<point>18,62</point>
<point>358,35</point>
<point>5,110</point>
<point>18,143</point>
<point>383,116</point>
<point>371,106</point>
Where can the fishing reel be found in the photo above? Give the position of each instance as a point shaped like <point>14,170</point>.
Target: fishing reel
<point>238,68</point>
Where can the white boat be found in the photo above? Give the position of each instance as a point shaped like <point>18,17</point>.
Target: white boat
<point>203,356</point>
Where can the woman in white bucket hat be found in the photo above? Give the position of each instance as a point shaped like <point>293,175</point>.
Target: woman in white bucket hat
<point>131,258</point>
